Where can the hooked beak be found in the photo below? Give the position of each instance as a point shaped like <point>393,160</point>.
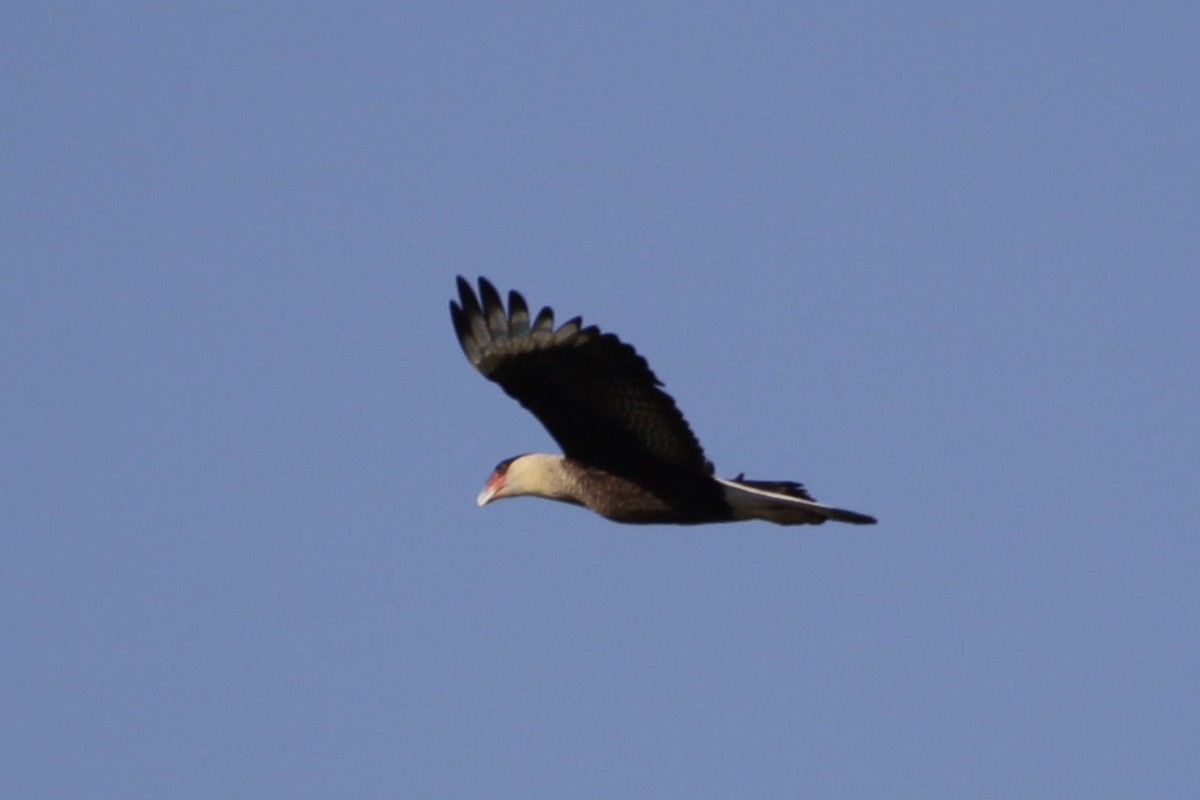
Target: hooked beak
<point>490,489</point>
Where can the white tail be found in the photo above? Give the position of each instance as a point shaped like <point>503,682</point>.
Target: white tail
<point>783,503</point>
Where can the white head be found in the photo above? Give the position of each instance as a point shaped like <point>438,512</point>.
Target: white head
<point>533,473</point>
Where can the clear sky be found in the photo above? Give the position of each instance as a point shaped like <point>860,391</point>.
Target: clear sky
<point>940,262</point>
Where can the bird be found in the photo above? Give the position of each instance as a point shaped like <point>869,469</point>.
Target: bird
<point>628,454</point>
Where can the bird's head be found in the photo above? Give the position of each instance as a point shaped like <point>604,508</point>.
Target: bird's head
<point>532,473</point>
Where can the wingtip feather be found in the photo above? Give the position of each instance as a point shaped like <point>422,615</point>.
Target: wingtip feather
<point>493,310</point>
<point>544,322</point>
<point>464,288</point>
<point>518,314</point>
<point>462,327</point>
<point>568,329</point>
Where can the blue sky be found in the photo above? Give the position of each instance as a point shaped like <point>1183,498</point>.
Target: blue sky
<point>939,262</point>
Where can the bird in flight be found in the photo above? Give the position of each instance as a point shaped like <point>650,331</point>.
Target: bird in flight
<point>628,453</point>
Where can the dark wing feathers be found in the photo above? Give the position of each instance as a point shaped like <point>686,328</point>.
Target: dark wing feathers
<point>596,396</point>
<point>544,321</point>
<point>497,320</point>
<point>518,315</point>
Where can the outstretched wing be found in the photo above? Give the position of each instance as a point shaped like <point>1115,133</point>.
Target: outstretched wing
<point>595,395</point>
